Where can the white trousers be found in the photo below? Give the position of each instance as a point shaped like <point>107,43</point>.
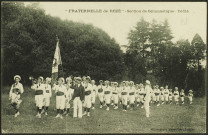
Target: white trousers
<point>170,98</point>
<point>162,97</point>
<point>157,98</point>
<point>46,101</point>
<point>101,96</point>
<point>107,98</point>
<point>182,99</point>
<point>176,98</point>
<point>39,101</point>
<point>93,97</point>
<point>124,99</point>
<point>115,98</point>
<point>146,107</point>
<point>166,97</point>
<point>190,99</point>
<point>67,104</point>
<point>132,99</point>
<point>87,101</point>
<point>60,102</point>
<point>77,104</point>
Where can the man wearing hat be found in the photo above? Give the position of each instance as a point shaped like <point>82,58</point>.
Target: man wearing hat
<point>101,93</point>
<point>132,94</point>
<point>182,95</point>
<point>162,94</point>
<point>14,94</point>
<point>115,94</point>
<point>69,94</point>
<point>147,97</point>
<point>88,95</point>
<point>124,96</point>
<point>107,93</point>
<point>78,97</point>
<point>47,95</point>
<point>176,95</point>
<point>94,93</point>
<point>142,93</point>
<point>170,96</point>
<point>166,93</point>
<point>60,91</point>
<point>157,95</point>
<point>190,96</point>
<point>39,97</point>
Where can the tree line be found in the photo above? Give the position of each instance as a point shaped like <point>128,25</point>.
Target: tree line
<point>29,41</point>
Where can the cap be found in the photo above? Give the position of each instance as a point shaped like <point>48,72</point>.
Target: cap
<point>147,82</point>
<point>63,80</point>
<point>40,78</point>
<point>48,79</point>
<point>101,81</point>
<point>17,76</point>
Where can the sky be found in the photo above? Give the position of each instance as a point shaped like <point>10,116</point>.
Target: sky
<point>184,25</point>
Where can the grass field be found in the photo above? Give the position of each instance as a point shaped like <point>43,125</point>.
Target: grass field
<point>163,119</point>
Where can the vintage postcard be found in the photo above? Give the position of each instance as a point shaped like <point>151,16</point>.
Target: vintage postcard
<point>103,67</point>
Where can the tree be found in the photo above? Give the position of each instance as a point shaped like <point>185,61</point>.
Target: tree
<point>198,49</point>
<point>29,41</point>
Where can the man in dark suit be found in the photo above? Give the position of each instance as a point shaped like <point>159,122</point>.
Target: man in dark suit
<point>78,97</point>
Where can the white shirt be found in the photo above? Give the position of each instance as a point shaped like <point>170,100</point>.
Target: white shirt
<point>148,89</point>
<point>47,92</point>
<point>60,88</point>
<point>18,86</point>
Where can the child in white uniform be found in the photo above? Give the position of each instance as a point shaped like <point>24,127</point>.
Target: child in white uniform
<point>132,94</point>
<point>94,94</point>
<point>166,94</point>
<point>107,93</point>
<point>170,96</point>
<point>176,95</point>
<point>47,95</point>
<point>101,93</point>
<point>88,95</point>
<point>60,91</point>
<point>39,97</point>
<point>190,96</point>
<point>14,94</point>
<point>182,95</point>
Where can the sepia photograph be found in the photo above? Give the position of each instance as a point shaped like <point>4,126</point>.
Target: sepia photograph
<point>103,67</point>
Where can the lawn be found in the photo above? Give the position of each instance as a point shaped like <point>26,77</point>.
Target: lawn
<point>163,119</point>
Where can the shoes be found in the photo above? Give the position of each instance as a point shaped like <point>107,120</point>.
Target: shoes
<point>84,113</point>
<point>112,104</point>
<point>93,108</point>
<point>46,113</point>
<point>137,105</point>
<point>61,116</point>
<point>101,106</point>
<point>16,114</point>
<point>116,107</point>
<point>127,106</point>
<point>64,113</point>
<point>58,115</point>
<point>88,114</point>
<point>107,109</point>
<point>158,104</point>
<point>42,111</point>
<point>67,114</point>
<point>39,116</point>
<point>142,107</point>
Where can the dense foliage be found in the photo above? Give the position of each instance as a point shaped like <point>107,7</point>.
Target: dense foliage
<point>152,55</point>
<point>29,41</point>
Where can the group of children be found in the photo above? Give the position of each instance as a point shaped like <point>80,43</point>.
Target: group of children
<point>109,93</point>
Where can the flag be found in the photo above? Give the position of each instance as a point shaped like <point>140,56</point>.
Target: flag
<point>56,62</point>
